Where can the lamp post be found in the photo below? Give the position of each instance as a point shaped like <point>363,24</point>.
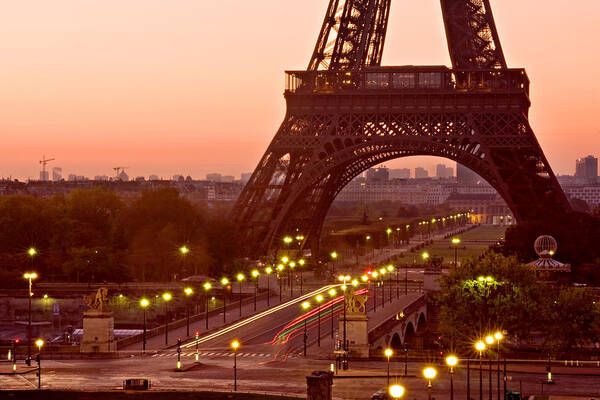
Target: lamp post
<point>332,294</point>
<point>305,306</point>
<point>30,276</point>
<point>188,292</point>
<point>382,272</point>
<point>498,336</point>
<point>334,256</point>
<point>240,278</point>
<point>345,364</point>
<point>235,345</point>
<point>319,299</point>
<point>396,391</point>
<point>167,297</point>
<point>375,275</point>
<point>207,287</point>
<point>224,284</point>
<point>388,353</point>
<point>144,303</point>
<point>455,243</point>
<point>429,374</point>
<point>301,262</point>
<point>255,275</point>
<point>480,347</point>
<point>39,343</point>
<point>268,271</point>
<point>280,269</point>
<point>451,361</point>
<point>184,250</point>
<point>292,278</point>
<point>390,269</point>
<point>490,340</point>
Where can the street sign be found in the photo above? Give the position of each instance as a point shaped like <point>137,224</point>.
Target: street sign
<point>55,309</point>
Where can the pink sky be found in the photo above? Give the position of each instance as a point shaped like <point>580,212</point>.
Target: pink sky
<point>195,86</point>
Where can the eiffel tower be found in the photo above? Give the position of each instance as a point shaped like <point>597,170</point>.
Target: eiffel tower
<point>347,113</point>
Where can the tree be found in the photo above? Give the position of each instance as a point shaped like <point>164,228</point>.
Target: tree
<point>572,322</point>
<point>482,296</point>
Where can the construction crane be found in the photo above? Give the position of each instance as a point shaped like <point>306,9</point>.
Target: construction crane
<point>43,162</point>
<point>118,171</point>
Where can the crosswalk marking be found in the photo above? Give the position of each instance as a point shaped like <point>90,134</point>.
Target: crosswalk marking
<point>214,354</point>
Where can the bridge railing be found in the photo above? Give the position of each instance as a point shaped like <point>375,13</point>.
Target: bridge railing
<point>408,79</point>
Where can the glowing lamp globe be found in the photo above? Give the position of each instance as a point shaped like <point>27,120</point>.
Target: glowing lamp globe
<point>545,246</point>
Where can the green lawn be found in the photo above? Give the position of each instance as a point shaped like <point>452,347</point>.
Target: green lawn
<point>485,232</point>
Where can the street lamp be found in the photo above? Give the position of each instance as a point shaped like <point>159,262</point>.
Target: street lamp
<point>334,256</point>
<point>240,278</point>
<point>480,347</point>
<point>429,374</point>
<point>451,361</point>
<point>207,287</point>
<point>455,242</point>
<point>425,256</point>
<point>167,297</point>
<point>280,269</point>
<point>30,276</point>
<point>255,275</point>
<point>319,299</point>
<point>305,306</point>
<point>388,353</point>
<point>39,343</point>
<point>490,340</point>
<point>235,345</point>
<point>292,278</point>
<point>375,274</point>
<point>382,272</point>
<point>224,285</point>
<point>188,292</point>
<point>332,294</point>
<point>268,271</point>
<point>301,262</point>
<point>144,303</point>
<point>396,391</point>
<point>499,336</point>
<point>345,365</point>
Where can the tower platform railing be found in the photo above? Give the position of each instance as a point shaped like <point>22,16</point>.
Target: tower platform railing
<point>408,79</point>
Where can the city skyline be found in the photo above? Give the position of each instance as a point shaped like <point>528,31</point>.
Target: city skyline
<point>85,84</point>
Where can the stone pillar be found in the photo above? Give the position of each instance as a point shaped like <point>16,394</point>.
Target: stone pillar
<point>357,333</point>
<point>318,386</point>
<point>98,332</point>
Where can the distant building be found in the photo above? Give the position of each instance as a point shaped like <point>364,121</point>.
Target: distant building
<point>213,177</point>
<point>153,178</point>
<point>178,178</point>
<point>72,178</point>
<point>444,172</point>
<point>140,179</point>
<point>421,173</point>
<point>56,174</point>
<point>44,176</point>
<point>246,177</point>
<point>465,176</point>
<point>587,168</point>
<point>101,178</point>
<point>227,179</point>
<point>400,173</point>
<point>378,175</point>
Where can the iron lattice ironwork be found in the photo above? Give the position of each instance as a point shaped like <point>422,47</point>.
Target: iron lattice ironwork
<point>347,113</point>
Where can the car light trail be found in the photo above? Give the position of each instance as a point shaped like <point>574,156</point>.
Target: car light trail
<point>257,317</point>
<point>288,331</point>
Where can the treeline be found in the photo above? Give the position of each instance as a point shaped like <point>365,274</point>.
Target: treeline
<point>482,296</point>
<point>94,236</point>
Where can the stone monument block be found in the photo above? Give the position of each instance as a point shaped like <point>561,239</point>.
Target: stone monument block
<point>357,334</point>
<point>98,325</point>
